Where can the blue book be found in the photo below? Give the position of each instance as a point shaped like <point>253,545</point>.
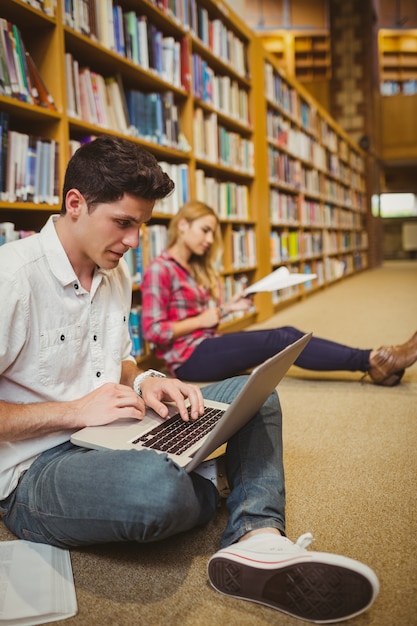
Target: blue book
<point>135,330</point>
<point>159,118</point>
<point>141,114</point>
<point>139,259</point>
<point>130,259</point>
<point>37,193</point>
<point>185,14</point>
<point>157,43</point>
<point>30,169</point>
<point>118,30</point>
<point>184,183</point>
<point>131,109</point>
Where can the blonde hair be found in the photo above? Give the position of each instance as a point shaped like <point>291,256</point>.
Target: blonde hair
<point>203,267</point>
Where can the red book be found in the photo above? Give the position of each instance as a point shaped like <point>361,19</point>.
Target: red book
<point>45,98</point>
<point>185,64</point>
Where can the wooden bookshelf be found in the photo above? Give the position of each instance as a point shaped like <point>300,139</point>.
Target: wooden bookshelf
<point>398,89</point>
<point>304,55</point>
<point>220,140</point>
<point>398,61</point>
<point>312,58</point>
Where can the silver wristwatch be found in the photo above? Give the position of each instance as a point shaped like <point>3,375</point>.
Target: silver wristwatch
<point>140,377</point>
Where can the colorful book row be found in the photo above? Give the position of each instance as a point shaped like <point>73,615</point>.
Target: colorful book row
<point>104,102</point>
<point>228,199</point>
<point>19,76</point>
<point>243,248</point>
<point>131,35</point>
<point>219,39</point>
<point>28,167</point>
<point>216,144</point>
<point>219,91</point>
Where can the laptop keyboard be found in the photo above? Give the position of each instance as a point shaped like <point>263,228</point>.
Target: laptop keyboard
<point>176,436</point>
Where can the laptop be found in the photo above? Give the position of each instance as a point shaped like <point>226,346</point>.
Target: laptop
<point>190,443</point>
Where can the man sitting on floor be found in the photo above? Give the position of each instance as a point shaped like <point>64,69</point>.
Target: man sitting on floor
<point>65,363</point>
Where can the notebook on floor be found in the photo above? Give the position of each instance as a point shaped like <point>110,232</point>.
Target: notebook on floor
<point>190,443</point>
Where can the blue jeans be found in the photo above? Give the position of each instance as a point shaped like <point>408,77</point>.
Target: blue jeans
<point>72,496</point>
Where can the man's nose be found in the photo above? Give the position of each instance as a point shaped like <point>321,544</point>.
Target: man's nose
<point>131,239</point>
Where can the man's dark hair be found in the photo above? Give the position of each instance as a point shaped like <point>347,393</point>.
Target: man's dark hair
<point>108,167</point>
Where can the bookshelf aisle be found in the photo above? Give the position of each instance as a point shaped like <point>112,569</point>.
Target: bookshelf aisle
<point>317,200</point>
<point>184,79</point>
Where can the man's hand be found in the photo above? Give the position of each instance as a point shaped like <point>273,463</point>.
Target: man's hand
<point>108,403</point>
<point>156,391</point>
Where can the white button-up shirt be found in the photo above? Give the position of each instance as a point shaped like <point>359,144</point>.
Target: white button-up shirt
<point>58,341</point>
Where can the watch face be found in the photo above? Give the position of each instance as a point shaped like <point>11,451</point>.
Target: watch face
<point>155,374</point>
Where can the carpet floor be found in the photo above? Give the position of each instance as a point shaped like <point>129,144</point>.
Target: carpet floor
<point>351,473</point>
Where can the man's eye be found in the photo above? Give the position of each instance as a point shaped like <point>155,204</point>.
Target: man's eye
<point>124,223</point>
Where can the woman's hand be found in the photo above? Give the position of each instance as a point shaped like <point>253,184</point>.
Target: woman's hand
<point>210,317</point>
<point>238,303</point>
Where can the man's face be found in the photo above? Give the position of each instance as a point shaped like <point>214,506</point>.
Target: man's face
<point>110,229</point>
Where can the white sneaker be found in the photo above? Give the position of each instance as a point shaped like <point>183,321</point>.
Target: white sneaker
<point>215,470</point>
<point>314,586</point>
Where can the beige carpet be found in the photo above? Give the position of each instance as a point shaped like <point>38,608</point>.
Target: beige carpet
<point>351,472</point>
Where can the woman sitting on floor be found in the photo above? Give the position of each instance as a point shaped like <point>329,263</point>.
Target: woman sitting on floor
<point>181,312</point>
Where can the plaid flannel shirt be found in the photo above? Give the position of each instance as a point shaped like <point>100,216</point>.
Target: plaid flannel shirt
<point>171,294</point>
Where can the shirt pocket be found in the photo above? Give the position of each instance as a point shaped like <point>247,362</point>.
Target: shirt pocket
<point>117,334</point>
<point>59,354</point>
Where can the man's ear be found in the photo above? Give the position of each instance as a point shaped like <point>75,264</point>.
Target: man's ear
<point>74,202</point>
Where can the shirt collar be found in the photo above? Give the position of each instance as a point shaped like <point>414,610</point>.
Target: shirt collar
<point>56,256</point>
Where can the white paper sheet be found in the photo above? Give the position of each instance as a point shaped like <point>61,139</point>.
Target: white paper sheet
<point>279,279</point>
<point>36,584</point>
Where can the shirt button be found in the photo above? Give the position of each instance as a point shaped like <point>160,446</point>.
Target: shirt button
<point>75,286</point>
<point>98,374</point>
<point>62,337</point>
<point>95,337</point>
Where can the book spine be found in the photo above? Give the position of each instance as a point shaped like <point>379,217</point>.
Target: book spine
<point>45,98</point>
<point>30,169</point>
<point>14,83</point>
<point>119,36</point>
<point>21,54</point>
<point>143,42</point>
<point>185,64</point>
<point>131,35</point>
<point>4,125</point>
<point>70,85</point>
<point>135,326</point>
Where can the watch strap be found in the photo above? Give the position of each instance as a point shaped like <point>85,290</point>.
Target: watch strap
<point>141,377</point>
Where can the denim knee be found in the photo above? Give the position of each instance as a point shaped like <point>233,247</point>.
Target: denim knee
<point>104,496</point>
<point>163,497</point>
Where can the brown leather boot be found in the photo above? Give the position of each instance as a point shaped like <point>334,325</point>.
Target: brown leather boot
<point>389,362</point>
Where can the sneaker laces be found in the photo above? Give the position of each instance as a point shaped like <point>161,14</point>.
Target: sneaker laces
<point>304,540</point>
